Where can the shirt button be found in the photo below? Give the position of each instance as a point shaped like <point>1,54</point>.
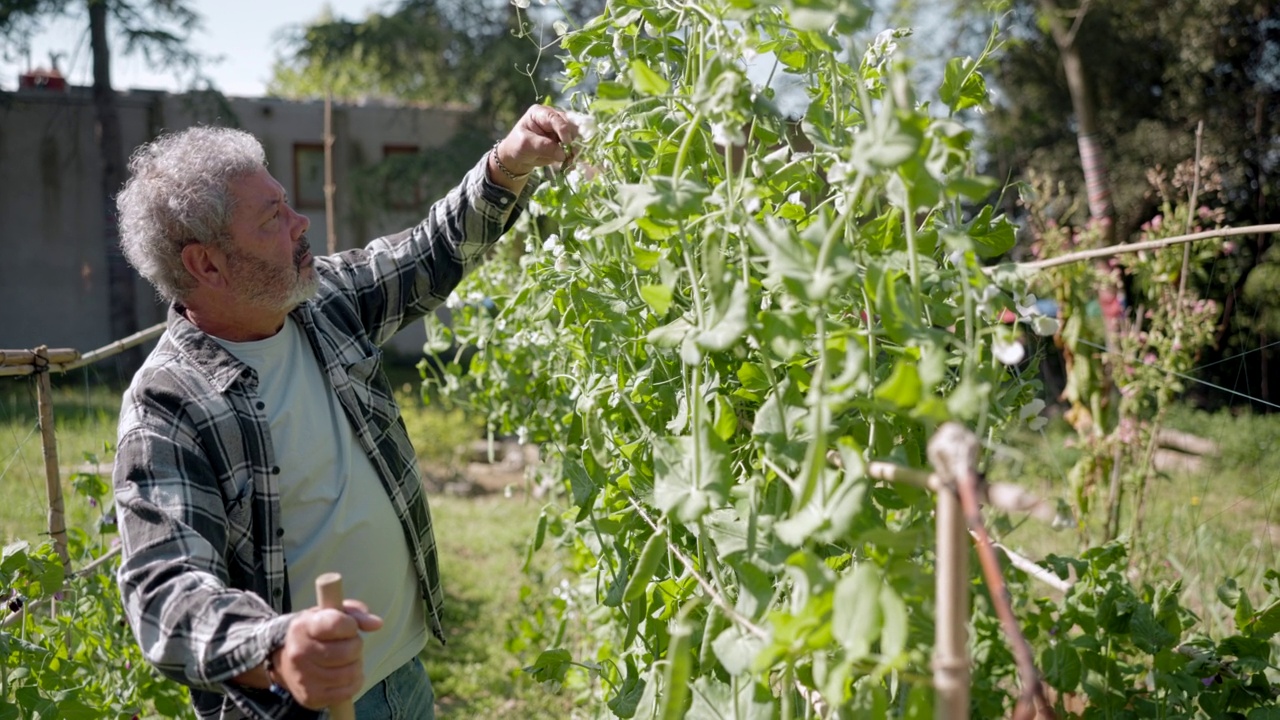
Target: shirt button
<point>279,532</point>
<point>261,405</point>
<point>277,592</point>
<point>503,201</point>
<point>275,470</point>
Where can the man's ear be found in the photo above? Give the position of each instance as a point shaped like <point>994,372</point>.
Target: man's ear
<point>208,265</point>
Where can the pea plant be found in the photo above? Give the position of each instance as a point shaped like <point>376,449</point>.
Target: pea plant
<point>66,650</point>
<point>724,313</point>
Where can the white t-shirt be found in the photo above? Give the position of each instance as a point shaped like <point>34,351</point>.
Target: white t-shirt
<point>337,517</point>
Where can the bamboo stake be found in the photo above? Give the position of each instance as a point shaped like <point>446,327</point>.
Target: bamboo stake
<point>28,357</point>
<point>1113,250</point>
<point>114,348</point>
<point>16,370</point>
<point>49,443</point>
<point>949,446</point>
<point>330,232</point>
<point>329,596</point>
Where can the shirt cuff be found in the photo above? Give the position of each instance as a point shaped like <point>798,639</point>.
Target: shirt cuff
<point>501,200</point>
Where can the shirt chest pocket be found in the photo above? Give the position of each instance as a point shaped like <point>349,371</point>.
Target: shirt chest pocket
<point>372,392</point>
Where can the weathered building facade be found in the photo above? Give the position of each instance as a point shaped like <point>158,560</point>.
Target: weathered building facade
<point>53,288</point>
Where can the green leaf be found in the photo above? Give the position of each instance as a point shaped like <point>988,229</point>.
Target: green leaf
<point>551,666</point>
<point>1265,622</point>
<point>720,333</point>
<point>893,633</point>
<point>657,297</point>
<point>962,85</point>
<point>903,387</point>
<point>725,423</point>
<point>1147,634</point>
<point>886,143</point>
<point>691,474</point>
<point>856,618</point>
<point>646,81</point>
<point>31,701</point>
<point>992,236</point>
<point>1062,666</point>
<point>736,649</point>
<point>14,557</point>
<point>624,703</point>
<point>671,334</point>
<point>583,487</point>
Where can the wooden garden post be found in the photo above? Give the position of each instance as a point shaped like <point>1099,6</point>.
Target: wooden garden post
<point>49,443</point>
<point>951,444</point>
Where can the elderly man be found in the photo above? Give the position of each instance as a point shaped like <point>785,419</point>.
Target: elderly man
<point>259,446</point>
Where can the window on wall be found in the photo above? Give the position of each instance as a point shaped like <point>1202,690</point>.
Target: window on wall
<point>403,179</point>
<point>308,175</point>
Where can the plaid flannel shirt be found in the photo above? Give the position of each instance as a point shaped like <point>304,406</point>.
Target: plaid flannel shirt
<point>203,572</point>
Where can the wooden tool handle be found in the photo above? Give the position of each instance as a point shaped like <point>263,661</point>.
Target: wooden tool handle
<point>329,596</point>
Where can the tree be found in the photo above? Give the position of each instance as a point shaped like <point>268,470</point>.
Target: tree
<point>159,30</point>
<point>493,56</point>
<point>1151,71</point>
<point>490,55</point>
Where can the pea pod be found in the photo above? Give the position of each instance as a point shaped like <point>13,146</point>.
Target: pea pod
<point>650,556</point>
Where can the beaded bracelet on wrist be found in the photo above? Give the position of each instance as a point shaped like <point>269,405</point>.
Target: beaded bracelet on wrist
<point>503,168</point>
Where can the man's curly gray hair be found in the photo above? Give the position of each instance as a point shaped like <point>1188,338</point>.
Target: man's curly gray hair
<point>178,193</point>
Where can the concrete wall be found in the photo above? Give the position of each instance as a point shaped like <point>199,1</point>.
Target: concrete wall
<point>52,262</point>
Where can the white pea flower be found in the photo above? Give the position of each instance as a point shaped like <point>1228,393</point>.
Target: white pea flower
<point>777,157</point>
<point>454,302</point>
<point>582,234</point>
<point>585,123</point>
<point>752,205</point>
<point>1030,414</point>
<point>1008,351</point>
<point>1044,326</point>
<point>562,263</point>
<point>561,27</point>
<point>522,4</point>
<point>475,297</point>
<point>1026,305</point>
<point>956,258</point>
<point>522,435</point>
<point>724,135</point>
<point>989,293</point>
<point>573,178</point>
<point>553,245</point>
<point>604,67</point>
<point>795,199</point>
<point>619,49</point>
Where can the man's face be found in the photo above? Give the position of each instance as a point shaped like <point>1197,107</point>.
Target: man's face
<point>269,262</point>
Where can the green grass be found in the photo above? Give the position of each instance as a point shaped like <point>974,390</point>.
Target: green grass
<point>1200,528</point>
<point>84,417</point>
<point>482,544</point>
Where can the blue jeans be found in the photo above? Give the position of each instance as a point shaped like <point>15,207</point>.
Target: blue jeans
<point>405,694</point>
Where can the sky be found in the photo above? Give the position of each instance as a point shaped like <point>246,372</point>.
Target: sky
<point>242,33</point>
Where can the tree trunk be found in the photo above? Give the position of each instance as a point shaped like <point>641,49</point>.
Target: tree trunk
<point>121,298</point>
<point>1092,161</point>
